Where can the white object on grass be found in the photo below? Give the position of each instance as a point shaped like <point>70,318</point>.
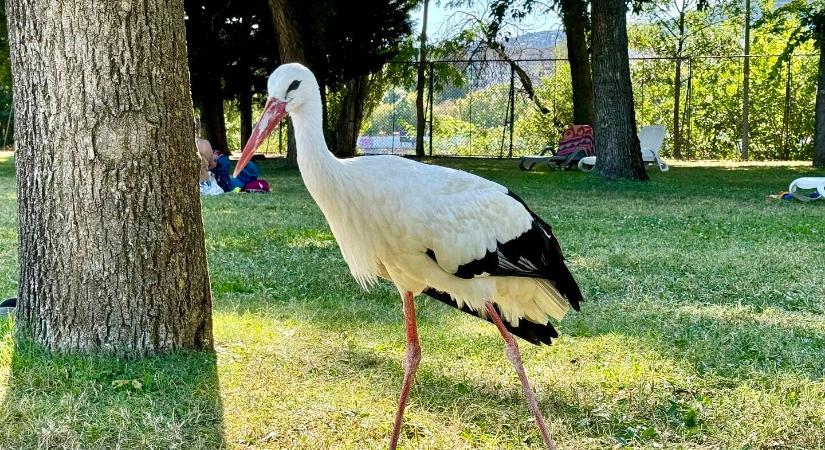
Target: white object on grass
<point>817,183</point>
<point>210,186</point>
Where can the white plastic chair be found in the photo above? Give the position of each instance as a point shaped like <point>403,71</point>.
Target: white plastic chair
<point>651,138</point>
<point>817,183</point>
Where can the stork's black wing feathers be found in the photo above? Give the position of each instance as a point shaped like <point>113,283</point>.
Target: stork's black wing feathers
<point>535,253</point>
<point>534,333</point>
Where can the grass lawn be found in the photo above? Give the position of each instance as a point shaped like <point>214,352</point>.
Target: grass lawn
<point>703,328</point>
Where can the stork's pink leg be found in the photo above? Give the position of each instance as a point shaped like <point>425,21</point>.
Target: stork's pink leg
<point>410,364</point>
<point>511,349</point>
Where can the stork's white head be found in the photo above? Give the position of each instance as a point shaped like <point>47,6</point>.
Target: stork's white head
<point>290,87</point>
<point>292,84</point>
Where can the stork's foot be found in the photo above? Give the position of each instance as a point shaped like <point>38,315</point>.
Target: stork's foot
<point>513,354</point>
<point>411,361</point>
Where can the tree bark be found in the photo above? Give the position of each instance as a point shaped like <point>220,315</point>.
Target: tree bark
<point>291,49</point>
<point>350,116</point>
<point>574,17</point>
<point>419,91</point>
<point>245,110</point>
<point>207,90</point>
<point>819,114</point>
<point>212,120</point>
<point>245,88</point>
<point>524,78</point>
<point>111,242</point>
<point>615,126</point>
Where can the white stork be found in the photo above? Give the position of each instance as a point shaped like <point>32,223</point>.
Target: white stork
<point>457,237</point>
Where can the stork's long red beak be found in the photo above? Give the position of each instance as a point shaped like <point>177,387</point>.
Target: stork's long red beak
<point>274,112</point>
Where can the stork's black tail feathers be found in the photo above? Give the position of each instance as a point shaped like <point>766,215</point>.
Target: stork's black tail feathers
<point>541,249</point>
<point>534,333</point>
<point>563,279</point>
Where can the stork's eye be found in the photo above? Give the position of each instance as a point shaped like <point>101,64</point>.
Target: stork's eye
<point>294,85</point>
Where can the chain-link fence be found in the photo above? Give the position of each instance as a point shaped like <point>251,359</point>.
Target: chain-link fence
<point>482,108</point>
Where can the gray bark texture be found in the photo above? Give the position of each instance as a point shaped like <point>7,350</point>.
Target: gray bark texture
<point>291,49</point>
<point>617,143</point>
<point>350,116</point>
<point>112,256</point>
<point>819,115</point>
<point>574,17</point>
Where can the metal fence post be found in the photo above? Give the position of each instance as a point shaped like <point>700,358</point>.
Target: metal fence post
<point>786,119</point>
<point>689,106</point>
<point>430,100</point>
<point>512,102</point>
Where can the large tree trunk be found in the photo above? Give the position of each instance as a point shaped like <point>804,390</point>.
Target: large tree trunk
<point>574,16</point>
<point>819,115</point>
<point>291,49</point>
<point>615,125</point>
<point>112,255</point>
<point>350,116</point>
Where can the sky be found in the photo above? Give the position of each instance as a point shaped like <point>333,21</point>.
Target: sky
<point>442,22</point>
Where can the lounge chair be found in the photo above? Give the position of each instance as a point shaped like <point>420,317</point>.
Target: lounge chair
<point>798,184</point>
<point>651,139</point>
<point>576,143</point>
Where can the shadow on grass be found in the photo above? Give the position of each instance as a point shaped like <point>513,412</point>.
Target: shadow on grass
<point>497,406</point>
<point>7,167</point>
<point>65,401</point>
<point>679,182</point>
<point>484,406</point>
<point>730,342</point>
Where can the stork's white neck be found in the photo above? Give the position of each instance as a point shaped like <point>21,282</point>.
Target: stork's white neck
<point>320,169</point>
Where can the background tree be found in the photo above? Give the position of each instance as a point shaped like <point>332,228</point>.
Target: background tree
<point>203,23</point>
<point>5,79</point>
<point>806,21</point>
<point>576,23</point>
<point>232,50</point>
<point>681,29</point>
<point>482,38</point>
<point>293,46</point>
<point>346,48</point>
<point>112,254</point>
<point>505,14</point>
<point>615,125</point>
<point>250,53</point>
<point>358,43</point>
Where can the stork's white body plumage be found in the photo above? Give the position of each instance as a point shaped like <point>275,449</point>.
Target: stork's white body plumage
<point>386,212</point>
<point>457,237</point>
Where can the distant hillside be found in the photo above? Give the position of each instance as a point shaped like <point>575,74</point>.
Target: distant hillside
<point>539,44</point>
